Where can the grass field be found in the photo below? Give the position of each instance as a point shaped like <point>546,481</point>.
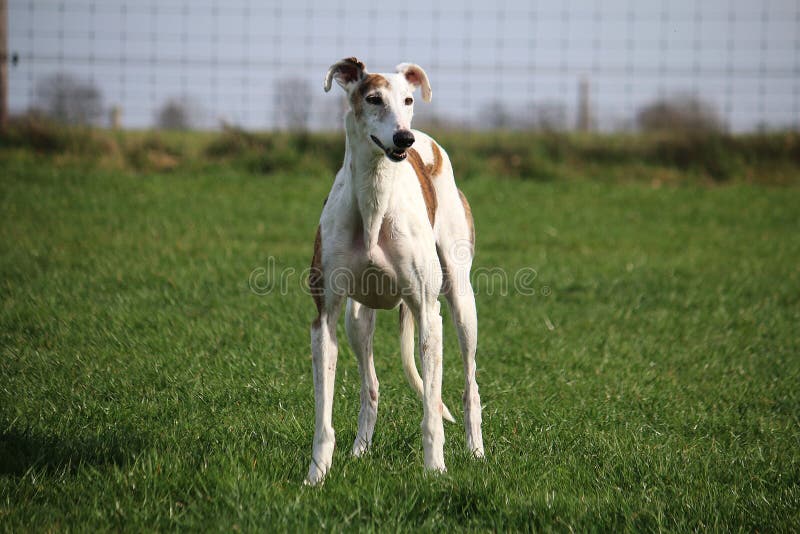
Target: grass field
<point>651,381</point>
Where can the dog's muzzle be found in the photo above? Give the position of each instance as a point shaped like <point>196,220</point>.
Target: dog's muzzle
<point>394,154</point>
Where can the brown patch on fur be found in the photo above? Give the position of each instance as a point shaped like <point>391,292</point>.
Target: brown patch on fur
<point>436,167</point>
<point>370,83</point>
<point>428,193</point>
<point>355,103</point>
<point>470,221</point>
<point>316,283</point>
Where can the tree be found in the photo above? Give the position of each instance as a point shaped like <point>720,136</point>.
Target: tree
<point>69,100</point>
<point>551,116</point>
<point>679,113</point>
<point>173,115</point>
<point>495,116</point>
<point>548,116</point>
<point>293,104</point>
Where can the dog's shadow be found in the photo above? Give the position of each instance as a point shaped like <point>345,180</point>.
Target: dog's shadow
<point>23,450</point>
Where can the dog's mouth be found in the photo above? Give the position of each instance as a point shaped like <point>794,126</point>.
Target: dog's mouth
<point>394,154</point>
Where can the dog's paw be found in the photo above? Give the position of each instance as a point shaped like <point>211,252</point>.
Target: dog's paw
<point>360,448</point>
<point>436,470</point>
<point>311,484</point>
<point>316,476</point>
<point>435,466</point>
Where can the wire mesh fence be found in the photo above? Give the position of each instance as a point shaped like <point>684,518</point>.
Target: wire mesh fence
<point>593,64</point>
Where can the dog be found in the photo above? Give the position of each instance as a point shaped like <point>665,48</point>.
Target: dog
<point>395,231</point>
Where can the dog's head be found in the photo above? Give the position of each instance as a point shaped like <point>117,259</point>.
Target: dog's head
<point>382,104</point>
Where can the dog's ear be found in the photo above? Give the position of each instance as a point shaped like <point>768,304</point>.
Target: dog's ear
<point>416,77</point>
<point>347,71</point>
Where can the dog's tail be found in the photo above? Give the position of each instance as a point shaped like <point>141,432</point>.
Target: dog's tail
<point>407,355</point>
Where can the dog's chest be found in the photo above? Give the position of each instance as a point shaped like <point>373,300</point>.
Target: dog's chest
<point>375,275</point>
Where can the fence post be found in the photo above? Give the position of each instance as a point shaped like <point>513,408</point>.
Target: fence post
<point>115,117</point>
<point>584,106</point>
<point>3,65</point>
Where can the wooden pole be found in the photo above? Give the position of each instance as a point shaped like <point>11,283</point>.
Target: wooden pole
<point>3,65</point>
<point>584,106</point>
<point>116,117</point>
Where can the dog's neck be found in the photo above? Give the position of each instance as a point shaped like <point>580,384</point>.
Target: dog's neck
<point>372,176</point>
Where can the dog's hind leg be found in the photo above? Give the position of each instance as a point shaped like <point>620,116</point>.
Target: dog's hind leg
<point>456,257</point>
<point>360,326</point>
<point>461,300</point>
<point>408,358</point>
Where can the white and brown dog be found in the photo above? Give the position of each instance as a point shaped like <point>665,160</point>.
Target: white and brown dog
<point>395,230</point>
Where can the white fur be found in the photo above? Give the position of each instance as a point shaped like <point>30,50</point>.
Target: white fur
<point>378,251</point>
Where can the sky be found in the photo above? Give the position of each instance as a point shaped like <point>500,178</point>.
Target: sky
<point>226,58</point>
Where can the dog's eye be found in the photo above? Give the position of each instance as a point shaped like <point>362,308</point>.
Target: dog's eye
<point>409,101</point>
<point>375,100</point>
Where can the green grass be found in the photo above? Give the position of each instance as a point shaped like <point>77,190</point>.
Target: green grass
<point>651,382</point>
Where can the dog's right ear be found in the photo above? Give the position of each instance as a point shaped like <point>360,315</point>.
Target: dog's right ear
<point>345,72</point>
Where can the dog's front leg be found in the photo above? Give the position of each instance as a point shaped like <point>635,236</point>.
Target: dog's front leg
<point>360,327</point>
<point>430,343</point>
<point>324,351</point>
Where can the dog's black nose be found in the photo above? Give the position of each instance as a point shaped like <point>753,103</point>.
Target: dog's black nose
<point>403,139</point>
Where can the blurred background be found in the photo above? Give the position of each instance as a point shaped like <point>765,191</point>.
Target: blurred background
<point>594,65</point>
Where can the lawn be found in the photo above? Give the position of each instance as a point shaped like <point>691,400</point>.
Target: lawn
<point>647,378</point>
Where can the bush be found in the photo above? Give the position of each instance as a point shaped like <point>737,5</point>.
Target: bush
<point>679,113</point>
<point>44,135</point>
<point>173,115</point>
<point>235,143</point>
<point>672,156</point>
<point>153,154</point>
<point>712,154</point>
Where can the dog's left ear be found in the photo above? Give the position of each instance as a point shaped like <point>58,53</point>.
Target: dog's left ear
<point>416,77</point>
